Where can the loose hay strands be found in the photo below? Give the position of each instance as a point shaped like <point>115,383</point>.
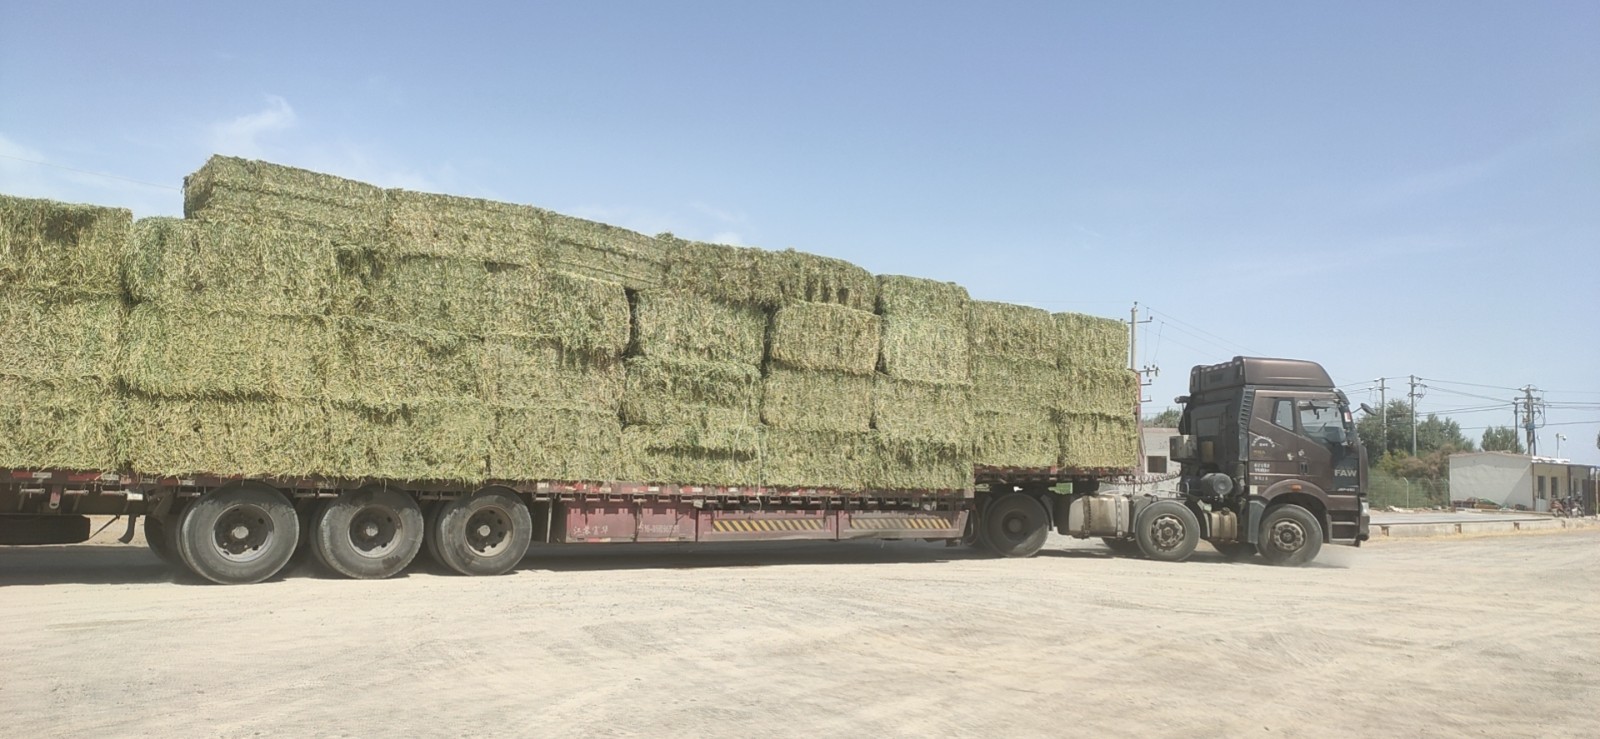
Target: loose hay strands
<point>1092,440</point>
<point>604,252</point>
<point>691,392</point>
<point>377,363</point>
<point>44,338</point>
<point>228,437</point>
<point>580,313</point>
<point>223,355</point>
<point>1091,341</point>
<point>446,440</point>
<point>905,409</point>
<point>59,425</point>
<point>202,267</point>
<point>816,401</point>
<point>260,194</point>
<point>767,279</point>
<point>425,224</point>
<point>823,459</point>
<point>526,373</point>
<point>428,292</point>
<point>693,455</point>
<point>925,329</point>
<point>905,464</point>
<point>1112,392</point>
<point>72,250</point>
<point>820,337</point>
<point>1005,440</point>
<point>670,324</point>
<point>1013,331</point>
<point>556,443</point>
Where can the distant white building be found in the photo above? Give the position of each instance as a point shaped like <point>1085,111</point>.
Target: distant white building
<point>1520,481</point>
<point>1157,472</point>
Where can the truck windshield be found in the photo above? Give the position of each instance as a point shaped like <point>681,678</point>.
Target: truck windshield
<point>1318,418</point>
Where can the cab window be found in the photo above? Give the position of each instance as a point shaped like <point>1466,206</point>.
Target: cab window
<point>1318,418</point>
<point>1283,413</point>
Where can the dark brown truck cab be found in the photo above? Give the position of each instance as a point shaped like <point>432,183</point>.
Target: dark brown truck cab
<point>1272,442</point>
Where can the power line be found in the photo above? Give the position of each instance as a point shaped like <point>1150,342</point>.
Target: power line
<point>92,173</point>
<point>1225,342</point>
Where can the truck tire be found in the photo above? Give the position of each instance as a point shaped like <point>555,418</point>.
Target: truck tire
<point>430,524</point>
<point>237,534</point>
<point>1167,531</point>
<point>1016,525</point>
<point>368,534</point>
<point>1290,536</point>
<point>158,532</point>
<point>486,533</point>
<point>1122,547</point>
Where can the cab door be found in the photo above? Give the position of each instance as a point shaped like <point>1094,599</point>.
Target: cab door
<point>1290,437</point>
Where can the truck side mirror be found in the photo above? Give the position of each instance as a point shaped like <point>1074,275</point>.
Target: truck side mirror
<point>1367,409</point>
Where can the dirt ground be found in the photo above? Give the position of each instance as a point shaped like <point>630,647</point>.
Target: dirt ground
<point>1492,636</point>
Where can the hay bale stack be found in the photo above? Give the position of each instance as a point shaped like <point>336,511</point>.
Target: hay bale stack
<point>816,398</point>
<point>1096,406</point>
<point>1014,383</point>
<point>444,439</point>
<point>1094,440</point>
<point>186,436</point>
<point>766,279</point>
<point>694,454</point>
<point>1091,341</point>
<point>61,316</point>
<point>259,194</point>
<point>922,400</point>
<point>170,353</point>
<point>419,224</point>
<point>196,266</point>
<point>673,324</point>
<point>925,330</point>
<point>604,252</point>
<point>691,393</point>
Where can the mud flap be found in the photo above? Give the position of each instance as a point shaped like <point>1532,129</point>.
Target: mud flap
<point>1254,511</point>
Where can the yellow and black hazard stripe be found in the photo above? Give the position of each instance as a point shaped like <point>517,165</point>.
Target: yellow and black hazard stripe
<point>878,523</point>
<point>737,525</point>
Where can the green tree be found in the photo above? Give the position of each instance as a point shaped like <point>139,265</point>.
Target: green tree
<point>1502,439</point>
<point>1441,434</point>
<point>1165,419</point>
<point>1397,436</point>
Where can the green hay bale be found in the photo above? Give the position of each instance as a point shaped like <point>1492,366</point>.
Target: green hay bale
<point>756,277</point>
<point>1090,341</point>
<point>526,373</point>
<point>1093,440</point>
<point>691,392</point>
<point>925,329</point>
<point>670,324</point>
<point>1013,331</point>
<point>904,464</point>
<point>43,338</point>
<point>378,363</point>
<point>556,443</point>
<point>202,267</point>
<point>1018,386</point>
<point>825,338</point>
<point>580,313</point>
<point>260,194</point>
<point>917,410</point>
<point>604,252</point>
<point>1009,440</point>
<point>425,224</point>
<point>819,459</point>
<point>1112,392</point>
<point>816,401</point>
<point>228,437</point>
<point>692,455</point>
<point>174,354</point>
<point>68,424</point>
<point>446,440</point>
<point>434,293</point>
<point>73,250</point>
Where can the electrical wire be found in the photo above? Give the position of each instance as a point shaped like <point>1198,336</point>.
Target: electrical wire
<point>92,173</point>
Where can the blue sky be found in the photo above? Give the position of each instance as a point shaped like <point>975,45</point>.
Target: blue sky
<point>1388,188</point>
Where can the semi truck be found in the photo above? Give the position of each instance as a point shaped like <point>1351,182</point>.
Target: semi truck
<point>1271,467</point>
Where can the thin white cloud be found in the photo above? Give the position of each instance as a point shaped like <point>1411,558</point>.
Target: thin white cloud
<point>728,237</point>
<point>242,136</point>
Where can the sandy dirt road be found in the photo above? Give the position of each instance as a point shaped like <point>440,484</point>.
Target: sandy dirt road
<point>1492,636</point>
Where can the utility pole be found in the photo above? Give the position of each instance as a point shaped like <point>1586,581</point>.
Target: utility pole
<point>1143,375</point>
<point>1414,415</point>
<point>1383,413</point>
<point>1528,425</point>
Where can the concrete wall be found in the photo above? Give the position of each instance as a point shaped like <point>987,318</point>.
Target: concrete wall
<point>1506,479</point>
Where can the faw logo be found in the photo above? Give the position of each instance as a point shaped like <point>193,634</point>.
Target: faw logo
<point>1344,473</point>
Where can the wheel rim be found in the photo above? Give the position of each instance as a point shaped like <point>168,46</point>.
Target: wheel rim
<point>1166,533</point>
<point>1287,536</point>
<point>489,531</point>
<point>1014,526</point>
<point>375,531</point>
<point>242,532</point>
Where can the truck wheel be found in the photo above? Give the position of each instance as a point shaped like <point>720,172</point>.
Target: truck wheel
<point>430,525</point>
<point>158,537</point>
<point>241,533</point>
<point>486,533</point>
<point>1122,547</point>
<point>1167,531</point>
<point>1290,536</point>
<point>368,534</point>
<point>1016,525</point>
<point>1235,550</point>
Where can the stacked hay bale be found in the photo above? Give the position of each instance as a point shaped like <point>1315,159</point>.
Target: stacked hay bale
<point>635,261</point>
<point>1015,382</point>
<point>922,409</point>
<point>222,355</point>
<point>1094,412</point>
<point>817,396</point>
<point>62,309</point>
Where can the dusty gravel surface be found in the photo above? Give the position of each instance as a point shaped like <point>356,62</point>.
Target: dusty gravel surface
<point>1494,636</point>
